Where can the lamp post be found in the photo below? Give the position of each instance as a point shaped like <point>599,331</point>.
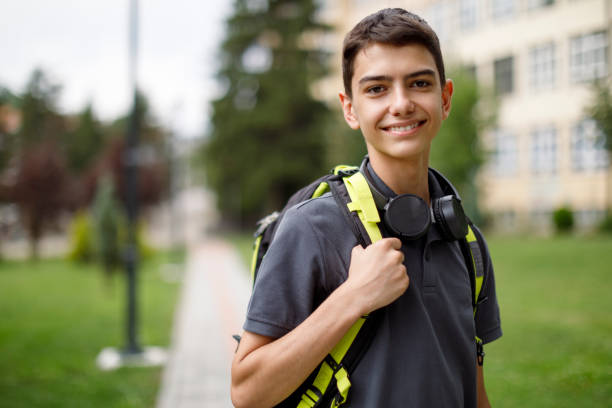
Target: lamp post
<point>130,163</point>
<point>132,354</point>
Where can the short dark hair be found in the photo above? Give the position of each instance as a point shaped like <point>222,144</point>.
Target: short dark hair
<point>394,26</point>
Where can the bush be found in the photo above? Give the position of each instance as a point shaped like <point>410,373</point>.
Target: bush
<point>563,219</point>
<point>81,245</point>
<point>606,223</point>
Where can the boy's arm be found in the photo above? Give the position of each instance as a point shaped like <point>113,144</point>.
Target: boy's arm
<point>266,371</point>
<point>483,400</point>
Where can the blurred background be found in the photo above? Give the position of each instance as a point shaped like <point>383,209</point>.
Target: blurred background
<point>222,110</point>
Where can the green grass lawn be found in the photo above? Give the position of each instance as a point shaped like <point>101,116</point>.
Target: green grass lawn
<point>56,316</point>
<point>556,305</point>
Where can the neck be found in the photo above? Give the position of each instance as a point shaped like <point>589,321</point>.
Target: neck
<point>404,177</point>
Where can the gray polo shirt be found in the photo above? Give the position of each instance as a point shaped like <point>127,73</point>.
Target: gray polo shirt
<point>423,354</point>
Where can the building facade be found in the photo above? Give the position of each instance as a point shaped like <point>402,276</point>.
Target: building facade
<point>540,58</point>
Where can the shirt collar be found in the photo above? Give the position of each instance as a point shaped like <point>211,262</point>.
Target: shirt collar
<point>435,191</point>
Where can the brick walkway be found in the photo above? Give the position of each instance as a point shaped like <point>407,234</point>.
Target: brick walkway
<point>212,306</point>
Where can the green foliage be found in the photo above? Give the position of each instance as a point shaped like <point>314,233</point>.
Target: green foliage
<point>85,142</point>
<point>267,135</point>
<point>107,222</point>
<point>600,109</point>
<point>606,224</point>
<point>100,236</point>
<point>40,119</point>
<point>563,219</point>
<point>56,319</point>
<point>343,144</point>
<point>456,150</point>
<point>81,245</point>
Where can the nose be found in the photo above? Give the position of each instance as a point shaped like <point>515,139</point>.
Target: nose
<point>401,102</point>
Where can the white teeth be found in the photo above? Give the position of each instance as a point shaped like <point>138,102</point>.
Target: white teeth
<point>404,128</point>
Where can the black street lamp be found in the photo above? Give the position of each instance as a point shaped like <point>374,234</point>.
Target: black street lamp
<point>132,354</point>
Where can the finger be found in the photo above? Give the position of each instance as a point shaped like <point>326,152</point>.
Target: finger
<point>395,243</point>
<point>400,257</point>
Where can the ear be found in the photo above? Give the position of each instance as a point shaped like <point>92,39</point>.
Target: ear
<point>447,94</point>
<point>348,111</point>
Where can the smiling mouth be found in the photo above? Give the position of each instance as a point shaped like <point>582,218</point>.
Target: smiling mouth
<point>404,128</point>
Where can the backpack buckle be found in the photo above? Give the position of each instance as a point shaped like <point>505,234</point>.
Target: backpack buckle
<point>347,172</point>
<point>479,352</point>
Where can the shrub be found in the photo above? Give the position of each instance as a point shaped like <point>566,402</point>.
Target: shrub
<point>563,219</point>
<point>81,244</point>
<point>606,224</point>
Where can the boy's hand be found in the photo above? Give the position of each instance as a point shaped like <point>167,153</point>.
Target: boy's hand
<point>377,275</point>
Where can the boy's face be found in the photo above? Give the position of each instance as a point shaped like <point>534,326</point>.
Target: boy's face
<point>398,101</point>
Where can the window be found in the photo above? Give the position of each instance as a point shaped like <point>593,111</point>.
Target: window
<point>505,155</point>
<point>589,218</point>
<point>588,56</point>
<point>467,14</point>
<point>502,8</point>
<point>542,67</point>
<point>540,218</point>
<point>587,147</point>
<point>504,81</point>
<point>544,150</point>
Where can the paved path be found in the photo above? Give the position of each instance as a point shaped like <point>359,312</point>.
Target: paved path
<point>212,306</point>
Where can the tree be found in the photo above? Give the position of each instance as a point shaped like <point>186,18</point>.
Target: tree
<point>267,131</point>
<point>40,119</point>
<point>85,142</point>
<point>151,156</point>
<point>107,221</point>
<point>600,109</point>
<point>456,150</point>
<point>39,189</point>
<point>37,165</point>
<point>9,116</point>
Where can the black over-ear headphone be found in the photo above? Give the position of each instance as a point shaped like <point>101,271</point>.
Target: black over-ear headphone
<point>408,216</point>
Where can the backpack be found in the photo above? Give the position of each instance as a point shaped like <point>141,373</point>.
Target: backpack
<point>329,384</point>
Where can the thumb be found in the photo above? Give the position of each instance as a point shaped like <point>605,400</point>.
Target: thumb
<point>357,249</point>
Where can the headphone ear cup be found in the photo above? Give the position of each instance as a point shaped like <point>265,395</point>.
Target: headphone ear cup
<point>449,215</point>
<point>407,216</point>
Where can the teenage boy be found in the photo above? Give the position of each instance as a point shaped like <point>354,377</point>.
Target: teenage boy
<point>316,281</point>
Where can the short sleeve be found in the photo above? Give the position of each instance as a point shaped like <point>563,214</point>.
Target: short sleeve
<point>488,322</point>
<point>290,279</point>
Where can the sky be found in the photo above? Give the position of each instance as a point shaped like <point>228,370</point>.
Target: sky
<point>84,46</point>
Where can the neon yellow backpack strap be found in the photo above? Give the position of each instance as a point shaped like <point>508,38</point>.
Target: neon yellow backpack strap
<point>324,187</point>
<point>362,202</point>
<point>478,271</point>
<point>256,246</point>
<point>331,368</point>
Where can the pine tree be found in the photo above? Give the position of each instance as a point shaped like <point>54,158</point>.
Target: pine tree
<point>84,143</point>
<point>40,119</point>
<point>266,138</point>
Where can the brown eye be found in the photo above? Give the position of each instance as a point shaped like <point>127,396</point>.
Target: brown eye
<point>421,83</point>
<point>376,89</point>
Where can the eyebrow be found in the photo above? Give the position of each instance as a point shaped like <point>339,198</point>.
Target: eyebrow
<point>369,78</point>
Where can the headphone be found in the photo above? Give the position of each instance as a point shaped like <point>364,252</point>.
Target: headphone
<point>409,217</point>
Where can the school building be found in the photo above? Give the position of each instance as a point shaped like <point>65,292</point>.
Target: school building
<point>540,57</point>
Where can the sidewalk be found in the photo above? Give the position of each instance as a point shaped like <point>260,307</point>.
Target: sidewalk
<point>212,306</point>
